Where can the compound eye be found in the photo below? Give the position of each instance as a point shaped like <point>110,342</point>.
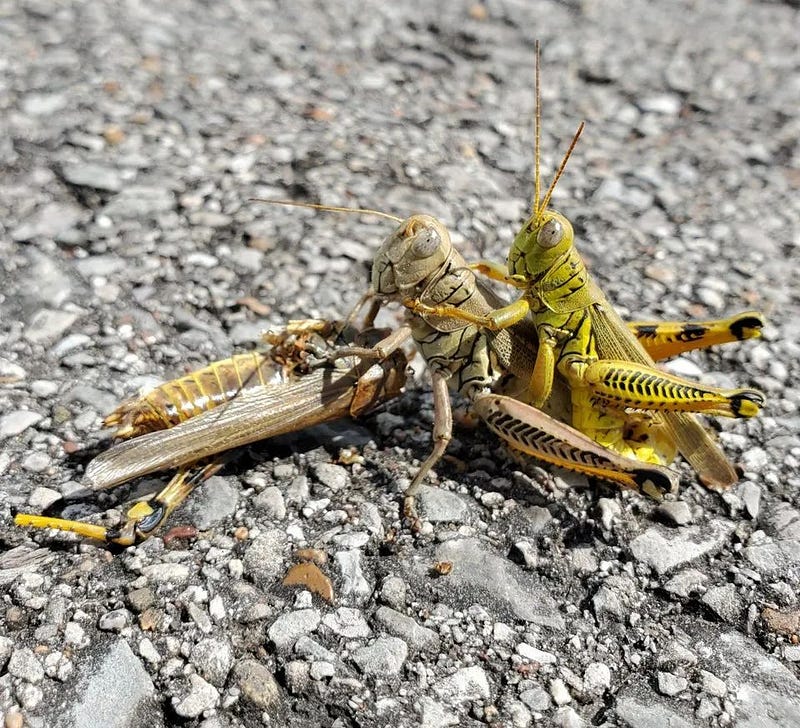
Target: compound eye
<point>426,243</point>
<point>550,233</point>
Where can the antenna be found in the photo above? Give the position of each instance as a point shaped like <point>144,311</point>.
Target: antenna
<point>328,208</point>
<point>537,130</point>
<point>563,164</point>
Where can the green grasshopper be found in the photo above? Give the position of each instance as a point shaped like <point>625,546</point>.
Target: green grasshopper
<point>187,422</point>
<point>608,369</point>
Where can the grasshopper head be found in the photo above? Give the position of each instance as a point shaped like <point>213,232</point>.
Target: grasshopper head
<point>408,258</point>
<point>542,241</point>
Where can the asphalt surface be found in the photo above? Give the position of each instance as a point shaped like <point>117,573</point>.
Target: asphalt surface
<point>132,139</point>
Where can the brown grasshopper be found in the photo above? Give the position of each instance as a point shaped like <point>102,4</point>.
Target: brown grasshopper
<point>187,422</point>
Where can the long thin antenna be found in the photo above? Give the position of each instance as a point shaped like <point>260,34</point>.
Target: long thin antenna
<point>537,131</point>
<point>563,164</point>
<point>327,208</point>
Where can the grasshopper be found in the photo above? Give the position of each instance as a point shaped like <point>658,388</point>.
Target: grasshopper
<point>608,366</point>
<point>187,422</point>
<point>418,263</point>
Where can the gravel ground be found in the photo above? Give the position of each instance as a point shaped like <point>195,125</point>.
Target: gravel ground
<point>134,135</point>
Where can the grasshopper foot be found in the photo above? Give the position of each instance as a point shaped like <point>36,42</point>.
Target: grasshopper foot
<point>747,403</point>
<point>411,515</point>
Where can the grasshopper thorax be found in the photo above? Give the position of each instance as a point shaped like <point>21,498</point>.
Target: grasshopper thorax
<point>410,256</point>
<point>543,241</point>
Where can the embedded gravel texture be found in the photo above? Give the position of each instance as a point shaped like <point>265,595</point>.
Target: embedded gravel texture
<point>133,136</point>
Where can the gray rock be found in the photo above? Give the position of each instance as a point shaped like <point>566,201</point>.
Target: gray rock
<point>609,511</point>
<point>394,591</point>
<point>333,476</point>
<point>313,650</point>
<point>584,560</point>
<point>48,324</point>
<point>387,422</point>
<point>148,651</point>
<point>536,698</point>
<point>97,399</point>
<point>758,683</point>
<point>43,104</point>
<point>439,506</point>
<point>596,678</point>
<point>263,558</point>
<point>615,597</point>
<point>480,572</point>
<point>167,574</point>
<point>17,422</point>
<point>113,690</point>
<point>270,502</point>
<point>750,494</point>
<point>351,540</point>
<point>671,685</point>
<point>754,460</point>
<point>725,602</point>
<point>384,656</point>
<point>48,221</point>
<point>139,202</point>
<point>257,683</point>
<point>115,621</point>
<point>199,697</point>
<point>463,686</point>
<point>38,462</point>
<point>89,174</point>
<point>9,370</point>
<point>200,618</point>
<point>665,550</point>
<point>248,604</point>
<point>417,637</point>
<point>297,491</point>
<point>559,692</point>
<point>213,659</point>
<point>784,522</point>
<point>434,714</point>
<point>535,655</point>
<point>70,343</point>
<point>774,559</point>
<point>287,628</point>
<point>24,664</point>
<point>297,673</point>
<point>6,646</point>
<point>322,670</point>
<point>348,623</point>
<point>686,582</point>
<point>712,684</point>
<point>678,512</point>
<point>354,586</point>
<point>213,502</point>
<point>639,707</point>
<point>100,265</point>
<point>675,655</point>
<point>567,717</point>
<point>791,653</point>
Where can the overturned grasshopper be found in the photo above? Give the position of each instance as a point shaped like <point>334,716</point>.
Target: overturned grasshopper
<point>608,366</point>
<point>188,422</point>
